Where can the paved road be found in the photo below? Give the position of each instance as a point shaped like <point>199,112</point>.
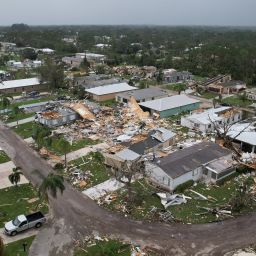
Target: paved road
<point>75,216</point>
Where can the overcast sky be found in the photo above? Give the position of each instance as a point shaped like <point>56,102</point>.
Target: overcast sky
<point>158,12</point>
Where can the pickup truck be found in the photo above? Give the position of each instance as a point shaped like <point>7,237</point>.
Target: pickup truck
<point>24,222</point>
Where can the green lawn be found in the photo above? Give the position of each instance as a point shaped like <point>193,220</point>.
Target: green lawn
<point>16,248</point>
<point>3,157</point>
<point>26,102</point>
<point>14,201</point>
<point>24,130</point>
<point>209,95</point>
<point>19,116</point>
<point>94,163</point>
<point>145,199</point>
<point>52,144</point>
<point>237,101</point>
<point>105,248</point>
<point>176,87</point>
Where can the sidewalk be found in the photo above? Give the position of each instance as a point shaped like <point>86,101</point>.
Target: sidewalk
<point>103,188</point>
<point>5,171</point>
<point>84,151</point>
<point>22,121</point>
<point>10,239</point>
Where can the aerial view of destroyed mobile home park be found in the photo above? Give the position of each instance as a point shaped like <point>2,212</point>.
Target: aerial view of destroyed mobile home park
<point>128,128</point>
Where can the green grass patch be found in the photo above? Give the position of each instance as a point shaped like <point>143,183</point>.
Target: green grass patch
<point>108,103</point>
<point>3,157</point>
<point>94,163</point>
<point>209,95</point>
<point>176,87</point>
<point>22,115</point>
<point>16,248</point>
<point>24,130</point>
<point>237,101</point>
<point>14,201</point>
<point>105,248</point>
<point>51,144</point>
<point>143,200</point>
<point>31,101</point>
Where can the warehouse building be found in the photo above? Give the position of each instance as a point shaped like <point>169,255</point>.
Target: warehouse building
<point>22,85</point>
<point>108,92</point>
<point>169,106</point>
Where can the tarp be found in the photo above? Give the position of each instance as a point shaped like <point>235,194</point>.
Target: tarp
<point>82,111</point>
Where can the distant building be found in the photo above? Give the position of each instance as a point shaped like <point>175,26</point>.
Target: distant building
<point>174,76</point>
<point>251,94</point>
<point>142,95</point>
<point>15,64</point>
<point>204,121</point>
<point>108,92</point>
<point>22,85</point>
<point>204,161</point>
<point>94,57</point>
<point>46,51</point>
<point>169,106</point>
<point>229,87</point>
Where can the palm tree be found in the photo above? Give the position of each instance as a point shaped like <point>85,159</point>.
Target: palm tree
<point>14,177</point>
<point>64,147</point>
<point>5,101</point>
<point>1,246</point>
<point>52,183</point>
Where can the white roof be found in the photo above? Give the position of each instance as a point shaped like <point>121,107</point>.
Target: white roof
<point>169,102</point>
<point>19,83</point>
<point>127,154</point>
<point>208,116</point>
<point>47,50</point>
<point>247,130</point>
<point>111,88</point>
<point>95,55</point>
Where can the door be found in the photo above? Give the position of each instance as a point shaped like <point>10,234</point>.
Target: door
<point>23,226</point>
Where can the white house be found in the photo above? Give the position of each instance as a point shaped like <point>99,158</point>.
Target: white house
<point>204,161</point>
<point>203,121</point>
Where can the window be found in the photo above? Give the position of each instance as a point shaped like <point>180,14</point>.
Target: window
<point>195,172</point>
<point>209,126</point>
<point>214,176</point>
<point>22,224</point>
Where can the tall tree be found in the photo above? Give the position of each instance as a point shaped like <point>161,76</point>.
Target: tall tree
<point>51,184</point>
<point>5,101</point>
<point>14,177</point>
<point>64,147</point>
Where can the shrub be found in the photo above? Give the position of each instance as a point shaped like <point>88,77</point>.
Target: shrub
<point>182,187</point>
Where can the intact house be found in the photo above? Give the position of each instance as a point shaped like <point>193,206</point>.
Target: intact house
<point>142,95</point>
<point>228,87</point>
<point>174,76</point>
<point>156,140</point>
<point>56,117</point>
<point>205,121</point>
<point>108,92</point>
<point>169,106</point>
<point>22,85</point>
<point>205,161</point>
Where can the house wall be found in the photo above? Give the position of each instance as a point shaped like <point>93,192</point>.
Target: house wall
<point>40,87</point>
<point>158,176</point>
<point>103,97</point>
<point>209,127</point>
<point>57,121</point>
<point>175,111</point>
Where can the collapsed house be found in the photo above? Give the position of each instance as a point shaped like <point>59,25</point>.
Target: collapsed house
<point>206,121</point>
<point>205,161</point>
<point>228,87</point>
<point>57,117</point>
<point>174,76</point>
<point>158,139</point>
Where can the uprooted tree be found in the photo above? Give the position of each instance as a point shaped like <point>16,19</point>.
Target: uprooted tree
<point>129,171</point>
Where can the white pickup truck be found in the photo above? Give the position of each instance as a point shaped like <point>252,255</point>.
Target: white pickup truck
<point>22,222</point>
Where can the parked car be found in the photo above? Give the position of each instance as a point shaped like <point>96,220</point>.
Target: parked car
<point>24,222</point>
<point>33,94</point>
